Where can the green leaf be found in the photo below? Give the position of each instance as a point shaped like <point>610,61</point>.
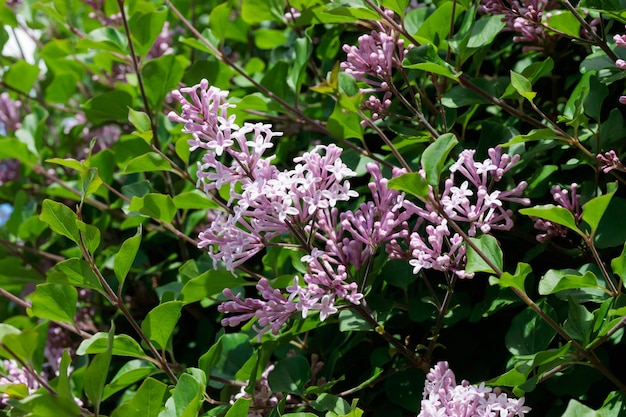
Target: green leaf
<point>208,284</point>
<point>90,236</point>
<point>160,76</point>
<point>157,206</point>
<point>529,333</point>
<point>76,272</point>
<point>55,302</point>
<point>145,28</point>
<point>129,374</point>
<point>522,86</point>
<point>160,323</point>
<point>619,264</point>
<point>123,345</point>
<point>594,209</point>
<point>485,31</point>
<point>488,246</point>
<point>257,11</point>
<point>239,408</point>
<point>269,38</point>
<point>426,58</point>
<point>412,183</point>
<point>290,375</point>
<point>516,280</point>
<point>344,124</point>
<point>436,28</point>
<point>554,281</point>
<point>579,322</point>
<point>148,162</point>
<point>111,106</point>
<point>186,399</point>
<point>140,120</point>
<point>404,389</point>
<point>565,22</point>
<point>226,357</point>
<point>147,401</point>
<point>22,345</point>
<point>125,257</point>
<point>44,404</point>
<point>195,199</point>
<point>97,371</point>
<point>576,409</point>
<point>435,155</point>
<point>559,215</point>
<point>21,76</point>
<point>332,403</point>
<point>60,218</point>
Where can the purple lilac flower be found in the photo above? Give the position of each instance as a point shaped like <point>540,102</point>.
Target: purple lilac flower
<point>100,15</point>
<point>373,62</point>
<point>10,116</point>
<point>163,43</point>
<point>443,397</point>
<point>610,161</point>
<point>569,200</point>
<point>474,202</point>
<point>292,14</point>
<point>620,41</point>
<point>11,373</point>
<point>9,170</point>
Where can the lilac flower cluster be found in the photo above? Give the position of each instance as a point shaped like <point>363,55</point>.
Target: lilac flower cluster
<point>11,373</point>
<point>569,200</point>
<point>267,206</point>
<point>523,17</point>
<point>101,16</point>
<point>443,397</point>
<point>474,203</point>
<point>372,62</point>
<point>9,170</point>
<point>10,114</point>
<point>620,41</point>
<point>610,161</point>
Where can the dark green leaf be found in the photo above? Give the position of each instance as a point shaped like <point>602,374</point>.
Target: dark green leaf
<point>161,76</point>
<point>130,373</point>
<point>579,322</point>
<point>529,333</point>
<point>157,206</point>
<point>76,272</point>
<point>290,375</point>
<point>145,28</point>
<point>97,371</point>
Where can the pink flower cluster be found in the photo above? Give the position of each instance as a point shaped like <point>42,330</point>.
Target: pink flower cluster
<point>523,17</point>
<point>12,374</point>
<point>443,397</point>
<point>569,200</point>
<point>610,161</point>
<point>474,202</point>
<point>299,206</point>
<point>10,116</point>
<point>372,62</point>
<point>620,41</point>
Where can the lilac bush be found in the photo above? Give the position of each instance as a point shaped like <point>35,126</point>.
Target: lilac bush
<point>312,208</point>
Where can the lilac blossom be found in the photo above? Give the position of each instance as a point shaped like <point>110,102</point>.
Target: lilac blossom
<point>100,15</point>
<point>443,397</point>
<point>610,161</point>
<point>620,41</point>
<point>9,170</point>
<point>163,43</point>
<point>569,200</point>
<point>474,203</point>
<point>11,373</point>
<point>373,62</point>
<point>10,114</point>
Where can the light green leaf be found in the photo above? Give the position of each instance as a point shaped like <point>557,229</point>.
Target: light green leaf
<point>140,120</point>
<point>555,214</point>
<point>186,399</point>
<point>239,408</point>
<point>488,246</point>
<point>157,206</point>
<point>123,345</point>
<point>147,162</point>
<point>516,280</point>
<point>594,209</point>
<point>411,183</point>
<point>522,86</point>
<point>195,199</point>
<point>208,284</point>
<point>160,323</point>
<point>22,345</point>
<point>130,373</point>
<point>55,302</point>
<point>579,322</point>
<point>60,218</point>
<point>576,409</point>
<point>554,281</point>
<point>146,402</point>
<point>435,155</point>
<point>21,76</point>
<point>125,257</point>
<point>111,106</point>
<point>145,28</point>
<point>76,272</point>
<point>97,371</point>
